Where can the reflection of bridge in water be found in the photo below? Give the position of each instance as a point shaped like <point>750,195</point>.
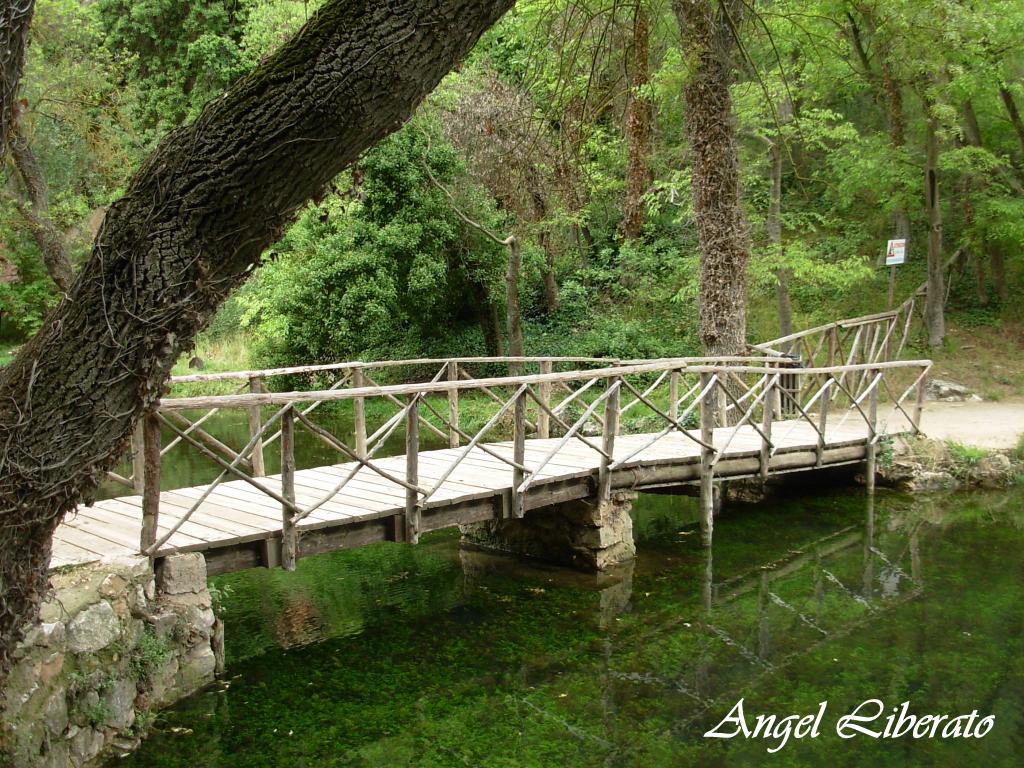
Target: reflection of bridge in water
<point>569,429</point>
<point>743,631</point>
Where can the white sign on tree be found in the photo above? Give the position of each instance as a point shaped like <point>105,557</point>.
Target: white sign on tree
<point>896,252</point>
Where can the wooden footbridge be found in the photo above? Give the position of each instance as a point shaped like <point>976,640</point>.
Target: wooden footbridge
<point>553,430</point>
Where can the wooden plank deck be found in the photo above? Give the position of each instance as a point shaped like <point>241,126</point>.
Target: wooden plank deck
<point>238,526</point>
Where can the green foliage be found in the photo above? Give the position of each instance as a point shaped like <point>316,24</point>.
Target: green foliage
<point>179,55</point>
<point>963,458</point>
<point>1018,450</point>
<point>149,655</point>
<point>97,713</point>
<point>24,302</point>
<point>392,270</point>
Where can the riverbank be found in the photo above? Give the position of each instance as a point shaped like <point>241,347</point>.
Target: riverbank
<point>922,465</point>
<point>115,644</point>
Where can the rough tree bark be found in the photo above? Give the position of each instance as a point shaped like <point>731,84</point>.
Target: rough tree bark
<point>15,19</point>
<point>721,225</point>
<point>934,308</point>
<point>37,213</point>
<point>639,127</point>
<point>192,223</point>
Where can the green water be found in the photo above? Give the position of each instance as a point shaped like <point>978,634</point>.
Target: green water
<point>395,655</point>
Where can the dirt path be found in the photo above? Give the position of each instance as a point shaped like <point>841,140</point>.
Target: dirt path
<point>985,424</point>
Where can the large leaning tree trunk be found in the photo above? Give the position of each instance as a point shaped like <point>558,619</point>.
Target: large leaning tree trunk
<point>193,222</point>
<point>15,19</point>
<point>721,225</point>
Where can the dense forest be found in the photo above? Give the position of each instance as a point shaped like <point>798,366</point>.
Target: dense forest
<point>566,127</point>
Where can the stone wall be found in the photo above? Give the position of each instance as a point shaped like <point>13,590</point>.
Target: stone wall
<point>590,535</point>
<point>114,645</point>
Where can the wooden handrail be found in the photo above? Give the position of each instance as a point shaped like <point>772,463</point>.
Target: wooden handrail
<point>751,387</point>
<point>281,398</point>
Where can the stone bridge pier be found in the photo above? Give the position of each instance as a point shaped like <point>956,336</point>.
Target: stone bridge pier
<point>586,534</point>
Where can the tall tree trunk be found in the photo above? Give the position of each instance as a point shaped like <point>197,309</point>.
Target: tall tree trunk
<point>1013,113</point>
<point>194,219</point>
<point>774,226</point>
<point>971,126</point>
<point>934,308</point>
<point>540,213</point>
<point>721,225</point>
<point>513,318</point>
<point>15,19</point>
<point>998,264</point>
<point>980,280</point>
<point>45,234</point>
<point>639,126</point>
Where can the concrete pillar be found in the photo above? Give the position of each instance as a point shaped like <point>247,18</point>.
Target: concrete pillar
<point>589,535</point>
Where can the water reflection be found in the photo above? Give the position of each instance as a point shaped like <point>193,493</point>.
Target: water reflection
<point>434,656</point>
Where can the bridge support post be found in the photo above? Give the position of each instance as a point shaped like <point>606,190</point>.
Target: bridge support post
<point>589,535</point>
<point>919,404</point>
<point>138,457</point>
<point>543,418</point>
<point>518,454</point>
<point>870,452</point>
<point>707,487</point>
<point>412,470</point>
<point>255,425</point>
<point>359,413</point>
<point>826,396</point>
<point>289,534</point>
<point>673,394</point>
<point>611,428</point>
<point>767,417</point>
<point>453,405</point>
<point>151,474</point>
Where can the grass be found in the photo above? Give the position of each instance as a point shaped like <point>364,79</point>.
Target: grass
<point>225,353</point>
<point>7,351</point>
<point>988,359</point>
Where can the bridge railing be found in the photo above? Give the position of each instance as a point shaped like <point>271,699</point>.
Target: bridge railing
<point>705,404</point>
<point>869,339</point>
<point>347,375</point>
